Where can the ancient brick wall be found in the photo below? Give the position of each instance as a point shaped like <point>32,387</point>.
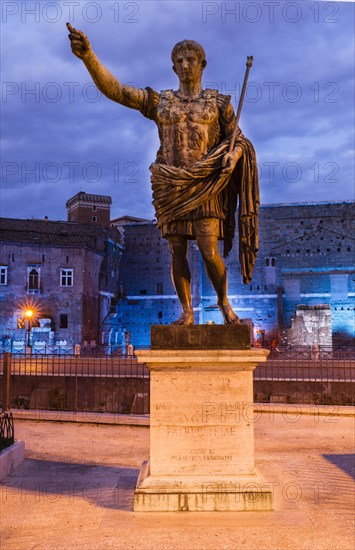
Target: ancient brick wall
<point>76,308</point>
<point>306,255</point>
<point>52,300</point>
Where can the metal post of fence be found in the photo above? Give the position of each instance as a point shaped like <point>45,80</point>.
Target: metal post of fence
<point>7,381</point>
<point>77,352</point>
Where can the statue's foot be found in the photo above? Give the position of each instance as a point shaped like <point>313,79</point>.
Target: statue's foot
<point>230,318</point>
<point>186,318</point>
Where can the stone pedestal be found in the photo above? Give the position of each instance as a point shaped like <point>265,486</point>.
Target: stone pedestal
<point>201,431</point>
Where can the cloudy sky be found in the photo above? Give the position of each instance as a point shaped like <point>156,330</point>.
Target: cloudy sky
<point>60,136</point>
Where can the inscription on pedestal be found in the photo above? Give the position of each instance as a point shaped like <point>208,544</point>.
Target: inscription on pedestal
<point>202,430</point>
<point>201,426</point>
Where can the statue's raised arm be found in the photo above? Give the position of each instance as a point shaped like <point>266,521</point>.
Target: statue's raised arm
<point>106,82</point>
<point>200,173</point>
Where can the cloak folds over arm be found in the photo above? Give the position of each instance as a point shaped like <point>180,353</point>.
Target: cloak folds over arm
<point>244,186</point>
<point>177,191</point>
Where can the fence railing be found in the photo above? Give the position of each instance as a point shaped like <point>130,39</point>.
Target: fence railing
<point>120,385</point>
<point>312,353</point>
<point>74,383</point>
<point>38,348</point>
<point>7,433</point>
<point>306,375</point>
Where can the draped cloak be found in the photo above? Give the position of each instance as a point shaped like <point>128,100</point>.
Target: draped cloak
<point>177,191</point>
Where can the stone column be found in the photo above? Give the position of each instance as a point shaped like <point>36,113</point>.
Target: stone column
<point>201,431</point>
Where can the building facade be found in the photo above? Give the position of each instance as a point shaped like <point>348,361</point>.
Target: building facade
<point>59,281</point>
<point>306,257</point>
<point>90,280</point>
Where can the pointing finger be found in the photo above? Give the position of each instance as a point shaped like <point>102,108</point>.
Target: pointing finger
<point>75,32</point>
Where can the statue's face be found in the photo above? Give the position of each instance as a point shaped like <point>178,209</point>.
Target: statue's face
<point>188,66</point>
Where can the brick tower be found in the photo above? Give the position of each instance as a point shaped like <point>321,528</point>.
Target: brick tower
<point>87,208</point>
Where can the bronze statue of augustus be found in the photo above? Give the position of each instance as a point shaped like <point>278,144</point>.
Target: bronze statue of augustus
<point>196,180</point>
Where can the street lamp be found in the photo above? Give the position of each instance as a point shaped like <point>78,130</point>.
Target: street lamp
<point>28,317</point>
<point>30,310</point>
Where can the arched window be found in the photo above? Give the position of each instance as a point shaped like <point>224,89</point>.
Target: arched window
<point>33,280</point>
<point>271,262</point>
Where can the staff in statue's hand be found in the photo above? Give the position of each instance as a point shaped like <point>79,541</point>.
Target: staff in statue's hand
<point>230,159</point>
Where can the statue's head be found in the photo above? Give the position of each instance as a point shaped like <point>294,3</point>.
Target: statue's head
<point>183,48</point>
<point>188,45</point>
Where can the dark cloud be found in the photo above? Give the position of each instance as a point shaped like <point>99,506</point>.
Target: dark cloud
<point>59,136</point>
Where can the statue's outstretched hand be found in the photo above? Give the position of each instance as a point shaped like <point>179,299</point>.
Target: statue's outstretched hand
<point>230,159</point>
<point>79,42</point>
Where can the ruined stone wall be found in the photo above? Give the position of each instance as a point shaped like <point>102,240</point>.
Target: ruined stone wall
<point>311,326</point>
<point>306,254</point>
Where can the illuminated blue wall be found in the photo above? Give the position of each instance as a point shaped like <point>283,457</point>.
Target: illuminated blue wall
<point>306,256</point>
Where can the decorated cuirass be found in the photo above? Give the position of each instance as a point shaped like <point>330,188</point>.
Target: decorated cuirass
<point>188,128</point>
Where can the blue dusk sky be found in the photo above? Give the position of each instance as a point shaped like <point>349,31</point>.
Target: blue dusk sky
<point>60,136</point>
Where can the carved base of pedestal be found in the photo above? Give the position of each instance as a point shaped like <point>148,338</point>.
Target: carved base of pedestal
<point>201,493</point>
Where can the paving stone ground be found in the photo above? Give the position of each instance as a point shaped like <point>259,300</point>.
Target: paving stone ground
<point>75,491</point>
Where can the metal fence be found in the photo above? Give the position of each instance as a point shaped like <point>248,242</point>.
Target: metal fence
<point>307,375</point>
<point>76,383</point>
<point>19,348</point>
<point>120,385</point>
<point>7,433</point>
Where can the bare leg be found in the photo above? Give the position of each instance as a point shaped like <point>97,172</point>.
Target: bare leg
<point>181,277</point>
<point>217,273</point>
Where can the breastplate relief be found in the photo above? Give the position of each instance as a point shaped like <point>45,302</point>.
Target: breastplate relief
<point>188,129</point>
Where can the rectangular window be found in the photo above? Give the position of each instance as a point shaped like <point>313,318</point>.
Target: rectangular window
<point>3,275</point>
<point>94,218</point>
<point>66,277</point>
<point>63,320</point>
<point>159,288</point>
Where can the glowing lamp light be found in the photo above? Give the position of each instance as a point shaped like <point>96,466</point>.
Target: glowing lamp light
<point>30,310</point>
